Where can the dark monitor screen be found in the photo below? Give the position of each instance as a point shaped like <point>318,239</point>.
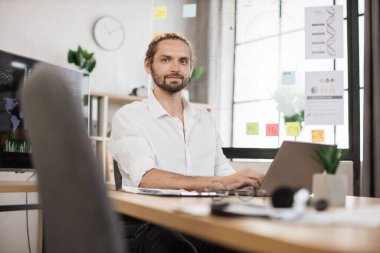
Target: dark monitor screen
<point>15,149</point>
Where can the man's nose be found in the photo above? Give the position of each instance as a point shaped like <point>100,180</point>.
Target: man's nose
<point>174,66</point>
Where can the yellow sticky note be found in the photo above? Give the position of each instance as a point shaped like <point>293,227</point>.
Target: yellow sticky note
<point>293,128</point>
<point>160,12</point>
<point>318,135</point>
<point>252,128</point>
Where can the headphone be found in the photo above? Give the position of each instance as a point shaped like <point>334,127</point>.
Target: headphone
<point>298,198</point>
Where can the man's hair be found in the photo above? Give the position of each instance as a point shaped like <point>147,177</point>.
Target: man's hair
<point>152,48</point>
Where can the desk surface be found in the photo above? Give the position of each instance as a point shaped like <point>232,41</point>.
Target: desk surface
<point>241,233</point>
<point>251,234</point>
<point>7,187</point>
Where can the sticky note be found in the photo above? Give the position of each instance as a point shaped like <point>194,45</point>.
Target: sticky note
<point>189,10</point>
<point>288,77</point>
<point>160,12</point>
<point>272,129</point>
<point>318,135</point>
<point>252,128</point>
<point>293,128</point>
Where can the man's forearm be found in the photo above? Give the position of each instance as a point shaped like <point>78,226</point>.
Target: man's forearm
<point>156,178</point>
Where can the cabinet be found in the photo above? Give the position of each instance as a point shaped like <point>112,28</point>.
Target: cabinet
<point>102,108</point>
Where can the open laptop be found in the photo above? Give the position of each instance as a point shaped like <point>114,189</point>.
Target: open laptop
<point>293,166</point>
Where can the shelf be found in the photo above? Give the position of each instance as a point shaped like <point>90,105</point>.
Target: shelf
<point>118,99</point>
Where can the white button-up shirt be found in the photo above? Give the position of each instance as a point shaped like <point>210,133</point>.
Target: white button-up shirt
<point>144,136</point>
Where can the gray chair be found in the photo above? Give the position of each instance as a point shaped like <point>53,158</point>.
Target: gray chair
<point>77,214</point>
<point>130,224</point>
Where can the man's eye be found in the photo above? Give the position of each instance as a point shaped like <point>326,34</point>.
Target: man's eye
<point>164,60</point>
<point>184,62</point>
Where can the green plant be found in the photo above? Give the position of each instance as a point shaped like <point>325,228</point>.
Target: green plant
<point>83,59</point>
<point>197,72</point>
<point>330,158</point>
<point>297,117</point>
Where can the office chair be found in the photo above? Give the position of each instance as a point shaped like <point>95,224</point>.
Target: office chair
<point>77,213</point>
<point>130,224</point>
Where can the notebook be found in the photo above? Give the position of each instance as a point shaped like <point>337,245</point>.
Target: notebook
<point>293,166</point>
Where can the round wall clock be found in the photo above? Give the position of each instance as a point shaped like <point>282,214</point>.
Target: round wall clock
<point>109,33</point>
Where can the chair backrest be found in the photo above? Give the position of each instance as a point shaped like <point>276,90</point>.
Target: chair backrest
<point>117,174</point>
<point>77,213</point>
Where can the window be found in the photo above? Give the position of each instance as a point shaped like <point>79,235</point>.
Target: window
<point>269,79</point>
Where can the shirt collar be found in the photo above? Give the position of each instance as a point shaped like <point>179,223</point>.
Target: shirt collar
<point>157,110</point>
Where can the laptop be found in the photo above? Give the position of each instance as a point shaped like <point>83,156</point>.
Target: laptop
<point>293,166</point>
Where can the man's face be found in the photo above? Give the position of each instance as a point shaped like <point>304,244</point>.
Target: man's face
<point>171,68</point>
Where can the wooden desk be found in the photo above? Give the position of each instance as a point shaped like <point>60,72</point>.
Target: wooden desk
<point>245,234</point>
<point>251,234</point>
<point>7,187</point>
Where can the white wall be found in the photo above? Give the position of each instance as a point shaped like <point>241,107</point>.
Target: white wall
<point>47,29</point>
<point>13,224</point>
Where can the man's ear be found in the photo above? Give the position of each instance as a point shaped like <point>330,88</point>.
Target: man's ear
<point>147,66</point>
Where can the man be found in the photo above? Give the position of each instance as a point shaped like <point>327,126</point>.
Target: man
<point>163,142</point>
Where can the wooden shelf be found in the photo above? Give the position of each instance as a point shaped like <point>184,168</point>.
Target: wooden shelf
<point>118,99</point>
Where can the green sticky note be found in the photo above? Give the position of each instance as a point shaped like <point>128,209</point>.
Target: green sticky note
<point>252,128</point>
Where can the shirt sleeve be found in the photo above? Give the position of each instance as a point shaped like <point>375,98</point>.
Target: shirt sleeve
<point>130,148</point>
<point>222,164</point>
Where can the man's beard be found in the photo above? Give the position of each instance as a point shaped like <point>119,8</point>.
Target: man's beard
<point>170,87</point>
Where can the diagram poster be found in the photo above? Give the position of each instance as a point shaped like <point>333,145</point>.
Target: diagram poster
<point>324,32</point>
<point>324,98</point>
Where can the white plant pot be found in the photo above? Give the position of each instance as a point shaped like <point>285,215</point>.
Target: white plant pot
<point>332,188</point>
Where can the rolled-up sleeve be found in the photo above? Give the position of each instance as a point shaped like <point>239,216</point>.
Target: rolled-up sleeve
<point>130,149</point>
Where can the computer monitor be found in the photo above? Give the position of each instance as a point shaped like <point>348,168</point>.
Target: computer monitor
<point>15,149</point>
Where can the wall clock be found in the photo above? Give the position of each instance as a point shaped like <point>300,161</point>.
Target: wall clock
<point>109,33</point>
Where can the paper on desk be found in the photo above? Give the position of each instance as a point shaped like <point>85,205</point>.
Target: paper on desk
<point>169,192</point>
<point>368,217</point>
<point>152,191</point>
<point>194,209</point>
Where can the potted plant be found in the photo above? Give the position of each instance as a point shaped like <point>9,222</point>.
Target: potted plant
<point>86,62</point>
<point>330,186</point>
<point>82,59</point>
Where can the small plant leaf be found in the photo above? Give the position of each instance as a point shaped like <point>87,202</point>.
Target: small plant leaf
<point>330,158</point>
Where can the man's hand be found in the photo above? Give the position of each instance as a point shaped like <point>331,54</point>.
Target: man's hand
<point>243,178</point>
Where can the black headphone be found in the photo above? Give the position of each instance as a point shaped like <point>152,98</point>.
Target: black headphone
<point>284,197</point>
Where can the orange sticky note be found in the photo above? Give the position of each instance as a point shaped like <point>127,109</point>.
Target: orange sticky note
<point>272,129</point>
<point>293,128</point>
<point>252,128</point>
<point>318,135</point>
<point>160,12</point>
